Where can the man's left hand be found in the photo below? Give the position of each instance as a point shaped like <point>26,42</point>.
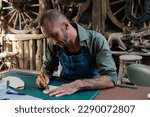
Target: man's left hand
<point>65,89</point>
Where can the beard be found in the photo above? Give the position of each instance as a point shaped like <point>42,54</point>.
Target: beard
<point>66,39</point>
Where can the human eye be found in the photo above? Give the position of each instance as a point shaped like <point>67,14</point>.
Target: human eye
<point>54,35</point>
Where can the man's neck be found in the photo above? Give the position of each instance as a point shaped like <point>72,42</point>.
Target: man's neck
<point>74,44</point>
<point>74,47</point>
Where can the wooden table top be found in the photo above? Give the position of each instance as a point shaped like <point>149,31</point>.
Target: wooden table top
<point>121,93</point>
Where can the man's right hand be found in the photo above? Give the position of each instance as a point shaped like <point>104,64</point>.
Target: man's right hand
<point>40,83</point>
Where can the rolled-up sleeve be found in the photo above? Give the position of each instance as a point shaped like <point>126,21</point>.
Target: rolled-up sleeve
<point>104,62</point>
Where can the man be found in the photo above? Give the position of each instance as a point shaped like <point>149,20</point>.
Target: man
<point>84,55</point>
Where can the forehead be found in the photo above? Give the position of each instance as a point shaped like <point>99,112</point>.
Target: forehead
<point>48,27</point>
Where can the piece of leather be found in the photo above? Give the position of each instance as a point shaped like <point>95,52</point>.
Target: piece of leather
<point>15,82</point>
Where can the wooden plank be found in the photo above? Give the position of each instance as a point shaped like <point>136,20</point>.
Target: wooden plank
<point>15,49</point>
<point>39,54</point>
<point>8,46</point>
<point>99,15</point>
<point>26,55</point>
<point>44,47</point>
<point>21,54</point>
<point>18,37</point>
<point>32,54</point>
<point>2,43</point>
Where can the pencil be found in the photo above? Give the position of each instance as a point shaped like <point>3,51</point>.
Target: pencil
<point>43,79</point>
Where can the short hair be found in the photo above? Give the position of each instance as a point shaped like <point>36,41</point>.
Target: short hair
<point>52,15</point>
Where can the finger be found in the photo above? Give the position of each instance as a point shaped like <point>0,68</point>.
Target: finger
<point>61,94</point>
<point>55,92</point>
<point>46,91</point>
<point>47,79</point>
<point>40,83</point>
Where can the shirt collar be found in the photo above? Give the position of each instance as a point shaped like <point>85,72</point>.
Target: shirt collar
<point>82,33</point>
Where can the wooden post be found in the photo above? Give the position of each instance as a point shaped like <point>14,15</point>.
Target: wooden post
<point>39,54</point>
<point>21,54</point>
<point>32,54</point>
<point>26,55</point>
<point>15,49</point>
<point>99,15</point>
<point>8,46</point>
<point>44,47</point>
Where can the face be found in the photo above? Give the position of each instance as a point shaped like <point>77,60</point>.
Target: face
<point>56,35</point>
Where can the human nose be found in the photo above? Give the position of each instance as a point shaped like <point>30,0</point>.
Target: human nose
<point>54,42</point>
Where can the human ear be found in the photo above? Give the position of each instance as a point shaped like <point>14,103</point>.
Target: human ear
<point>65,26</point>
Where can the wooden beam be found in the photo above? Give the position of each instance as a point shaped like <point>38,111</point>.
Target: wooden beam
<point>22,37</point>
<point>99,15</point>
